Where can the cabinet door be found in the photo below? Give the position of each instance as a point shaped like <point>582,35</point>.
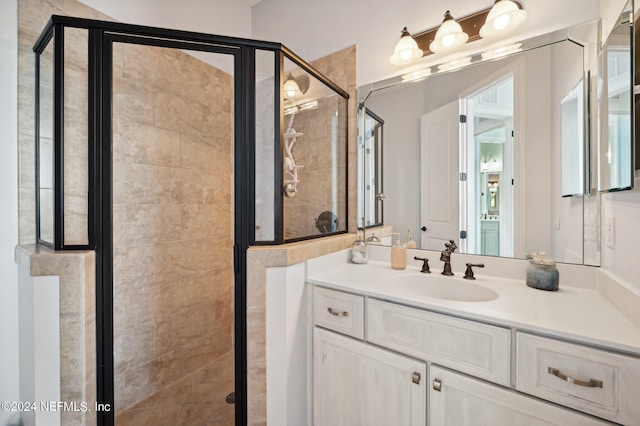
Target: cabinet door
<point>460,400</point>
<point>358,384</point>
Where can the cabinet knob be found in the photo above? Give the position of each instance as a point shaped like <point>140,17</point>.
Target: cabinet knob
<point>437,385</point>
<point>415,378</point>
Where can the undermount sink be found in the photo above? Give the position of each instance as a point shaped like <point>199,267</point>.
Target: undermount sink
<point>442,287</point>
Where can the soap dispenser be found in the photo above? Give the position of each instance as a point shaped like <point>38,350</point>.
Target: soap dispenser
<point>410,244</point>
<point>398,253</point>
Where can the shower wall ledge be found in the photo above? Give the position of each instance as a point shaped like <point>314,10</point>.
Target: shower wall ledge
<point>258,260</point>
<point>57,331</point>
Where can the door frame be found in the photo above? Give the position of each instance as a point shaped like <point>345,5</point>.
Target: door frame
<point>101,86</point>
<point>514,70</point>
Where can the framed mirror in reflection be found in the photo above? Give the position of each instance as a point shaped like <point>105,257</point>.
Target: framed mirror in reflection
<point>370,168</point>
<point>475,155</point>
<point>615,101</point>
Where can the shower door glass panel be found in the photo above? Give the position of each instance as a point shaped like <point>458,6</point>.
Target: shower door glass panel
<point>314,139</point>
<point>45,146</point>
<point>173,233</point>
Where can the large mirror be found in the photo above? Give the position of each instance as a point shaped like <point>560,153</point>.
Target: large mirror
<point>615,157</point>
<point>475,154</point>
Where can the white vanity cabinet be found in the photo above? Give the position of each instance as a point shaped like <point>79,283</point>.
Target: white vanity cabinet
<point>358,384</point>
<point>377,362</point>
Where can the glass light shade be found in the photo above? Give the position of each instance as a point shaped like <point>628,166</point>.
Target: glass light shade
<point>505,16</point>
<point>449,36</point>
<point>406,50</point>
<point>291,88</point>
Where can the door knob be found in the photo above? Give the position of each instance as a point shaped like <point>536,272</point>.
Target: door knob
<point>424,229</point>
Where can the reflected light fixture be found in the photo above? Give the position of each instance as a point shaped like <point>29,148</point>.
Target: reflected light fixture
<point>449,35</point>
<point>291,88</point>
<point>406,50</point>
<point>502,51</point>
<point>505,16</point>
<point>418,75</point>
<point>455,64</point>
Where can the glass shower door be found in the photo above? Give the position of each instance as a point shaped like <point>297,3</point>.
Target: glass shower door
<point>173,234</point>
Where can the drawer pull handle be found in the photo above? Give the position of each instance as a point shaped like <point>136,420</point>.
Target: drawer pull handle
<point>337,313</point>
<point>592,383</point>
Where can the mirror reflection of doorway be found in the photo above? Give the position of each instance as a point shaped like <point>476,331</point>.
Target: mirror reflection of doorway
<point>486,196</point>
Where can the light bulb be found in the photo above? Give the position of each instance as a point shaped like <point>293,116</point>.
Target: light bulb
<point>448,40</point>
<point>501,22</point>
<point>405,55</point>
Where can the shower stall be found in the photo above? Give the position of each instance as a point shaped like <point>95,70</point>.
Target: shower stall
<point>167,152</point>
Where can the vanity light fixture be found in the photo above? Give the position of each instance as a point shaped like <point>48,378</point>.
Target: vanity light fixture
<point>504,17</point>
<point>291,88</point>
<point>406,50</point>
<point>449,35</point>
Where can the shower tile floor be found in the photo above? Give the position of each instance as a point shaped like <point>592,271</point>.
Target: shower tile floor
<point>197,399</point>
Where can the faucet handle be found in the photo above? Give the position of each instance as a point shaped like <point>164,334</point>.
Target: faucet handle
<point>468,274</point>
<point>425,264</point>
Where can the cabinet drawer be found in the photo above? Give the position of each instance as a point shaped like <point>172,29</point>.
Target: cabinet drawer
<point>338,311</point>
<point>478,349</point>
<point>587,379</point>
<point>456,399</point>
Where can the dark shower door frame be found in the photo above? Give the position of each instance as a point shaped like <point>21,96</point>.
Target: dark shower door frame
<point>101,35</point>
<point>105,306</point>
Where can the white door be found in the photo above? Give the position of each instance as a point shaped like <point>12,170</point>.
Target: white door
<point>439,179</point>
<point>460,400</point>
<point>355,384</point>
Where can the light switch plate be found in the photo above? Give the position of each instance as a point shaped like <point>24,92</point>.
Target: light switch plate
<point>610,231</point>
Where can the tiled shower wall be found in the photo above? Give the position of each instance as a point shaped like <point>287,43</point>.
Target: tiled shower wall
<point>173,223</point>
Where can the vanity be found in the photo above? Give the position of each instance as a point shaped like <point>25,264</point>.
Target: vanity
<point>406,348</point>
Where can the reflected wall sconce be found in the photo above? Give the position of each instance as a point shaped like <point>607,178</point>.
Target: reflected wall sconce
<point>449,36</point>
<point>291,88</point>
<point>502,18</point>
<point>406,50</point>
<point>294,87</point>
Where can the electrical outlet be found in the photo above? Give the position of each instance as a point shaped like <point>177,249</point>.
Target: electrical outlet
<point>610,230</point>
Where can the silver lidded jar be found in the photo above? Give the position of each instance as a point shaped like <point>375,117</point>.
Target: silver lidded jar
<point>359,252</point>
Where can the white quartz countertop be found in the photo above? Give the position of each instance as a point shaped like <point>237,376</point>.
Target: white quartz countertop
<point>572,313</point>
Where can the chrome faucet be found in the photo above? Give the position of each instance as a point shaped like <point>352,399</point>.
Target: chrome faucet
<point>445,256</point>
